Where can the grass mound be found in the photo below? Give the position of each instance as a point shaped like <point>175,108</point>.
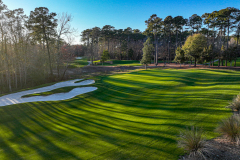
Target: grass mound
<point>120,63</point>
<point>78,63</point>
<point>137,115</point>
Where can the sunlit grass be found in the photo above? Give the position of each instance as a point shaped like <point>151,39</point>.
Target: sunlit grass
<point>120,63</point>
<point>78,63</point>
<point>137,115</point>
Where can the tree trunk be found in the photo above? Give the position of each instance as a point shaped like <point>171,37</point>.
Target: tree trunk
<point>195,63</point>
<point>92,53</point>
<point>208,34</point>
<point>176,38</point>
<point>168,51</point>
<point>8,68</point>
<point>213,35</point>
<point>237,39</point>
<point>49,56</point>
<point>64,72</point>
<point>156,47</point>
<point>228,34</point>
<point>180,38</point>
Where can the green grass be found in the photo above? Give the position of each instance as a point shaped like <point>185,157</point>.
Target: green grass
<point>120,63</point>
<point>136,115</point>
<point>228,64</point>
<point>78,63</point>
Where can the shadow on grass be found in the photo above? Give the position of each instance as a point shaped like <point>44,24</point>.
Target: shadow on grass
<point>117,121</point>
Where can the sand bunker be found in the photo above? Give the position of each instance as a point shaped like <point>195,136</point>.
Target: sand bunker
<point>16,98</point>
<point>78,57</point>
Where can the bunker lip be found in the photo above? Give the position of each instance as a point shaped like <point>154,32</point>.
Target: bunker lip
<point>16,98</point>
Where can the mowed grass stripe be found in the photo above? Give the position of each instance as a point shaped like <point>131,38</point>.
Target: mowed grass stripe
<point>137,115</point>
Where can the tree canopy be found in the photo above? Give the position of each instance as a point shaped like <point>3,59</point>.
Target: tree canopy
<point>194,46</point>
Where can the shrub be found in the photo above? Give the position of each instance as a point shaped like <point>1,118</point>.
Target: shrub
<point>230,128</point>
<point>235,104</point>
<point>105,56</point>
<point>193,142</point>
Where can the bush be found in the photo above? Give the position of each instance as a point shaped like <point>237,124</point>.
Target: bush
<point>235,104</point>
<point>230,128</point>
<point>194,144</point>
<point>105,56</point>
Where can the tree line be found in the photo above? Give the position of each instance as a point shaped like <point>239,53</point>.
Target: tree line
<point>214,43</point>
<point>166,35</point>
<point>215,28</point>
<point>33,49</point>
<point>120,43</point>
<point>37,48</point>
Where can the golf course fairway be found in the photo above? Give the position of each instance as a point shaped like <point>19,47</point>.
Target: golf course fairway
<point>136,115</point>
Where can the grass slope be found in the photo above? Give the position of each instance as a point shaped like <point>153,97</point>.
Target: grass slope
<point>136,115</point>
<point>120,63</point>
<point>78,63</point>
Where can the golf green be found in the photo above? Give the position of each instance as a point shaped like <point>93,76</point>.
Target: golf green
<point>136,115</point>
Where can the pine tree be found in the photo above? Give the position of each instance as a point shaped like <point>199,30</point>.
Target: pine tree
<point>43,25</point>
<point>105,56</point>
<point>147,52</point>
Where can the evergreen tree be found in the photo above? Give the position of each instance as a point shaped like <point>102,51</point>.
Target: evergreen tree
<point>147,53</point>
<point>180,56</point>
<point>105,56</point>
<point>43,25</point>
<point>153,28</point>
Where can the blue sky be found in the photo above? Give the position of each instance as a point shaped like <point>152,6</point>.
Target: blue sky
<point>121,13</point>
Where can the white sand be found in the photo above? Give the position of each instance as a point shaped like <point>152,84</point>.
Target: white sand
<point>15,98</point>
<point>78,57</point>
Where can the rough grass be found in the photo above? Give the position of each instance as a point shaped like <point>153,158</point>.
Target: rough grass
<point>230,128</point>
<point>137,115</point>
<point>193,142</point>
